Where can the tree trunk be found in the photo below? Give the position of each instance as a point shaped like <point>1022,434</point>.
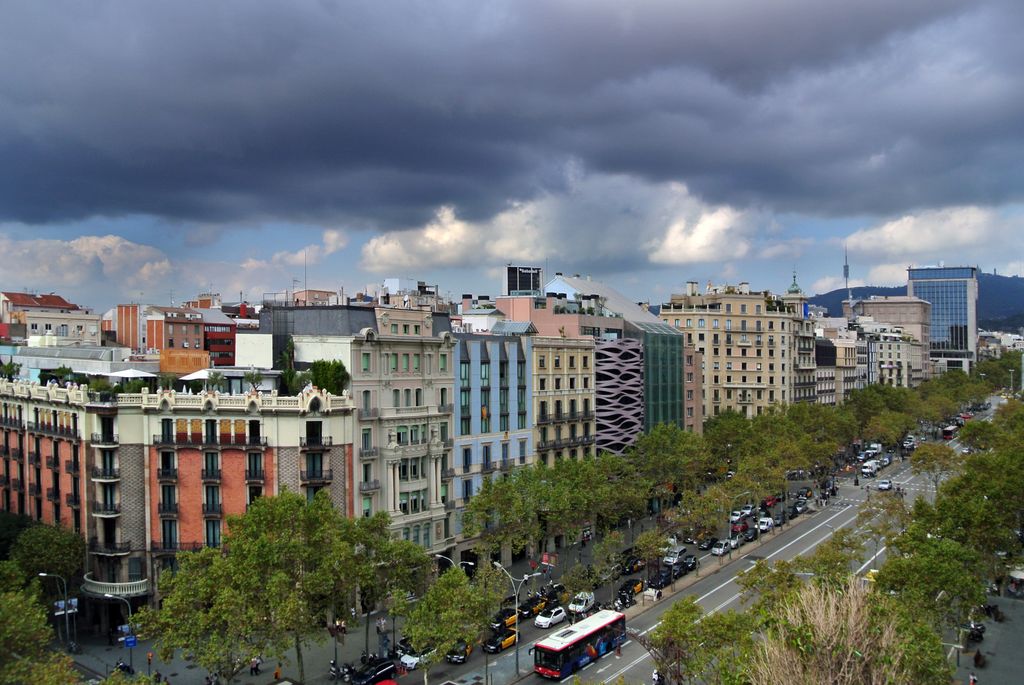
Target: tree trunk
<point>298,658</point>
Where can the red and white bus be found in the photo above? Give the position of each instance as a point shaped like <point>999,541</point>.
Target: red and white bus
<point>949,432</point>
<point>566,651</point>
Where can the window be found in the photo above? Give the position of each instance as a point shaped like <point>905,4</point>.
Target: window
<point>415,362</point>
<point>416,329</point>
<point>443,363</point>
<point>366,362</point>
<point>542,361</point>
<point>405,329</point>
<point>394,361</point>
<point>394,329</point>
<point>396,398</point>
<point>558,361</point>
<point>213,532</point>
<point>405,363</point>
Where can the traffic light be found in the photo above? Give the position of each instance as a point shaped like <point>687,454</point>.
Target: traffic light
<point>149,657</point>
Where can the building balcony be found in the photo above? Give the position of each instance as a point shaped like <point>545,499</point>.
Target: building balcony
<point>213,510</point>
<point>134,588</point>
<point>4,480</point>
<point>53,430</point>
<point>465,411</point>
<point>445,408</point>
<point>109,475</point>
<point>72,466</point>
<point>588,439</point>
<point>315,442</point>
<point>254,476</point>
<point>545,418</point>
<point>447,474</point>
<point>173,547</point>
<point>369,485</point>
<point>17,485</point>
<point>106,509</point>
<point>487,467</point>
<point>449,504</point>
<point>506,464</point>
<point>34,490</point>
<point>167,475</point>
<point>211,475</point>
<point>5,451</point>
<point>167,509</point>
<point>321,476</point>
<point>109,548</point>
<point>164,440</point>
<point>53,495</point>
<point>72,500</point>
<point>448,443</point>
<point>367,414</point>
<point>369,452</point>
<point>104,440</point>
<point>53,463</point>
<point>16,453</point>
<point>34,458</point>
<point>10,422</point>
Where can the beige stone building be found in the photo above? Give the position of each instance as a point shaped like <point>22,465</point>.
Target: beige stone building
<point>757,348</point>
<point>563,397</point>
<point>911,314</point>
<point>50,315</point>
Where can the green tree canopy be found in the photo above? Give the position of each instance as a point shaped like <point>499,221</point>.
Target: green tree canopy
<point>330,375</point>
<point>43,548</point>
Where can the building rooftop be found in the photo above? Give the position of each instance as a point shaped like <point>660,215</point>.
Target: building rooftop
<point>613,300</point>
<point>29,300</point>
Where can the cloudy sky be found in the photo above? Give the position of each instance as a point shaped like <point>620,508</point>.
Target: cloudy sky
<point>156,148</point>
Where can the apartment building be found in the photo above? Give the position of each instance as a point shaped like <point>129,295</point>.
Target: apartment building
<point>754,346</point>
<point>563,398</point>
<point>494,417</point>
<point>50,315</point>
<point>401,362</point>
<point>144,476</point>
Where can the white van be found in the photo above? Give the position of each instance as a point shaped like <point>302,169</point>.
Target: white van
<point>869,469</point>
<point>765,524</point>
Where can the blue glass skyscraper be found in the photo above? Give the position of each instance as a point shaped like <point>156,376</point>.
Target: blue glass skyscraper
<point>953,294</point>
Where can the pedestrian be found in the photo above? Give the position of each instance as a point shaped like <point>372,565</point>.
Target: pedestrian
<point>277,671</point>
<point>259,662</point>
<point>254,666</point>
<point>972,679</point>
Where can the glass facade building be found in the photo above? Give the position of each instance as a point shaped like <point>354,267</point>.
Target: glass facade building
<point>953,294</point>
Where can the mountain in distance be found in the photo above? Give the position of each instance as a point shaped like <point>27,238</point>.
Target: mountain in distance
<point>1000,300</point>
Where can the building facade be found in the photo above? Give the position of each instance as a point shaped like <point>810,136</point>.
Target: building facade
<point>953,326</point>
<point>51,315</point>
<point>563,398</point>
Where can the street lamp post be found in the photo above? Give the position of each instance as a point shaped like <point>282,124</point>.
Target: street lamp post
<point>515,590</point>
<point>131,650</point>
<point>453,562</point>
<point>67,606</point>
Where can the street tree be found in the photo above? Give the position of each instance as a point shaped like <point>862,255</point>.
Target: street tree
<point>43,548</point>
<point>206,611</point>
<point>25,636</point>
<point>650,546</point>
<point>888,427</point>
<point>448,613</point>
<point>505,512</point>
<point>846,636</point>
<point>607,556</point>
<point>934,461</point>
<point>830,563</point>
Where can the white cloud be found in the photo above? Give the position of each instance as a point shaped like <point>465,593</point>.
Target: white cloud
<point>334,240</point>
<point>888,274</point>
<point>827,284</point>
<point>930,234</point>
<point>600,218</point>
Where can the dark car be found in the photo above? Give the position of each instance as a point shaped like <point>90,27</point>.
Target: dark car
<point>500,640</point>
<point>532,605</point>
<point>779,518</point>
<point>750,535</point>
<point>690,562</point>
<point>374,672</point>
<point>505,618</point>
<point>633,586</point>
<point>663,578</point>
<point>792,512</point>
<point>556,593</point>
<point>707,543</point>
<point>459,653</point>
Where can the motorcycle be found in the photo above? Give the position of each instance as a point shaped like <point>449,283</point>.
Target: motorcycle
<point>123,667</point>
<point>334,673</point>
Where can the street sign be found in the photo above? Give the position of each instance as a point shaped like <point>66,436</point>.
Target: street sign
<point>130,641</point>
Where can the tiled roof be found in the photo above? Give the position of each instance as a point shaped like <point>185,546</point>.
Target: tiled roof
<point>30,300</point>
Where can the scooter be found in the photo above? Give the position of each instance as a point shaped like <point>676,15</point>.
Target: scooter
<point>334,673</point>
<point>123,667</point>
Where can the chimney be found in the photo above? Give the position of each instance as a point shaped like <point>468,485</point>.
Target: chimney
<point>691,288</point>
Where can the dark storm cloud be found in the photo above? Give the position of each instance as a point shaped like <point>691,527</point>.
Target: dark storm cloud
<point>377,113</point>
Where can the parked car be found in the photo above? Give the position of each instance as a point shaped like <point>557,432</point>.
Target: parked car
<point>374,672</point>
<point>663,578</point>
<point>504,618</point>
<point>720,548</point>
<point>532,605</point>
<point>582,603</point>
<point>690,562</point>
<point>707,543</point>
<point>632,586</point>
<point>885,484</point>
<point>747,509</point>
<point>735,516</point>
<point>411,660</point>
<point>634,564</point>
<point>501,640</point>
<point>750,535</point>
<point>765,523</point>
<point>556,593</point>
<point>672,556</point>
<point>770,501</point>
<point>551,616</point>
<point>793,512</point>
<point>459,653</point>
<point>779,518</point>
<point>740,527</point>
<point>735,541</point>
